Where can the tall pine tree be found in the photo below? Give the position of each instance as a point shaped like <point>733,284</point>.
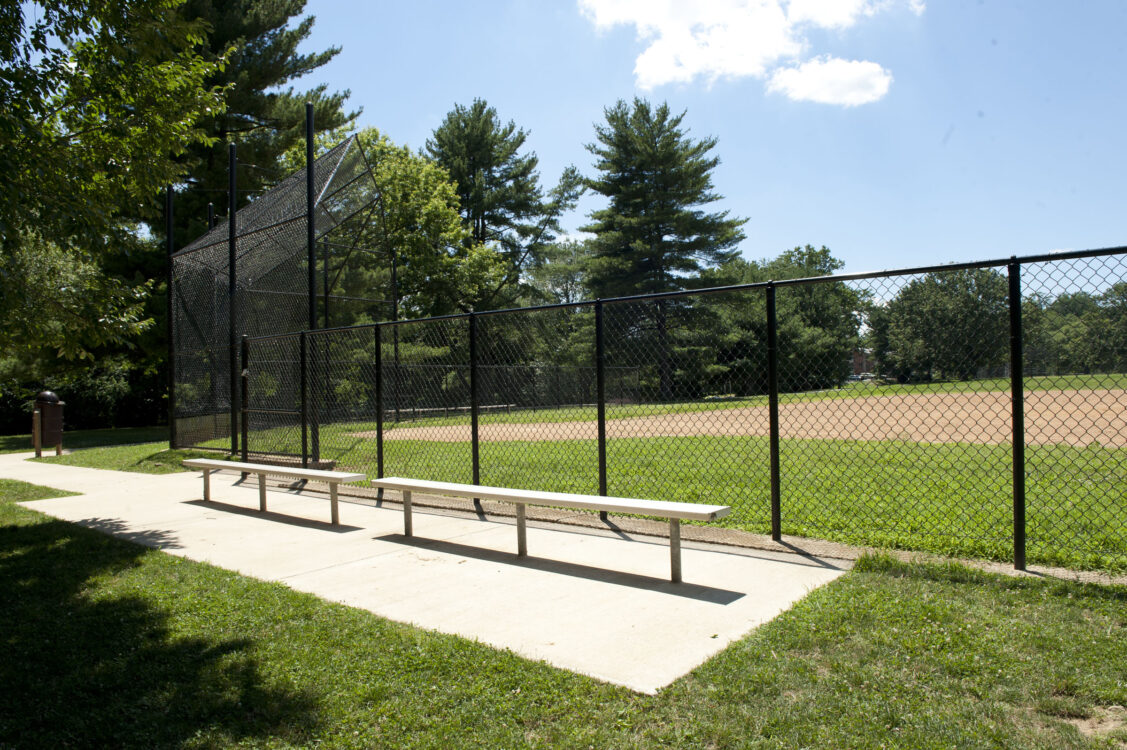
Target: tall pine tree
<point>502,204</point>
<point>264,114</point>
<point>653,236</point>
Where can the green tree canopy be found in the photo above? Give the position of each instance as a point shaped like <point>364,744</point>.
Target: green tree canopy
<point>412,225</point>
<point>263,112</point>
<point>947,324</point>
<point>100,101</point>
<point>500,198</point>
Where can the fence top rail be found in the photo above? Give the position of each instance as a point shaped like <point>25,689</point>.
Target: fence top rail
<point>833,278</point>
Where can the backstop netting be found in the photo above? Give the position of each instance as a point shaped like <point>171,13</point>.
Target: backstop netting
<point>271,291</point>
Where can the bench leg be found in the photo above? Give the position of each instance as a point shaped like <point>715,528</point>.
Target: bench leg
<point>207,484</point>
<point>333,503</point>
<point>406,513</point>
<point>262,492</point>
<point>675,549</point>
<point>522,535</point>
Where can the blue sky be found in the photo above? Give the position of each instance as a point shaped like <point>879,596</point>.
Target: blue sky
<point>895,132</point>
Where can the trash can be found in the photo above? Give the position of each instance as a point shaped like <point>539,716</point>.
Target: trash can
<point>47,423</point>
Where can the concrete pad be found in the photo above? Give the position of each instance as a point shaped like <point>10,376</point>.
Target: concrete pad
<point>596,603</point>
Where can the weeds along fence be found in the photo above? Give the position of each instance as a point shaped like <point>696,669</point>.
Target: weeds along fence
<point>975,409</point>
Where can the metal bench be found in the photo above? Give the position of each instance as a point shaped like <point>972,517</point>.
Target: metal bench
<point>333,478</point>
<point>674,511</point>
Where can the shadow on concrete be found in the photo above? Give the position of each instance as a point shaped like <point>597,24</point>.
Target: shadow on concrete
<point>306,523</point>
<point>575,570</point>
<point>810,558</point>
<point>156,538</point>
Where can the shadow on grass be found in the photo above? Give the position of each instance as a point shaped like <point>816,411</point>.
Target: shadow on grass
<point>83,667</point>
<point>88,438</point>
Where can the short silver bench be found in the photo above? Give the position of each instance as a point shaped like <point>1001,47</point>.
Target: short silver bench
<point>674,511</point>
<point>333,478</point>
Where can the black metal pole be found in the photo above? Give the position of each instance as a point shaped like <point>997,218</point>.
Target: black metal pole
<point>601,399</point>
<point>170,332</point>
<point>303,362</point>
<point>210,216</point>
<point>379,403</point>
<point>232,312</point>
<point>474,406</point>
<point>395,335</point>
<point>311,251</point>
<point>773,413</point>
<point>1017,400</point>
<point>311,219</point>
<point>245,395</point>
<point>325,282</point>
<point>314,399</point>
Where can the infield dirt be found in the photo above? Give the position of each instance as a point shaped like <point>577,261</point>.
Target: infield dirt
<point>1067,417</point>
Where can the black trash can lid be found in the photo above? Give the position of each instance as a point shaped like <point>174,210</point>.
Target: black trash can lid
<point>47,397</point>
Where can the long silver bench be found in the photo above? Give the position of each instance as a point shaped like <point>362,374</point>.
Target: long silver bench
<point>674,511</point>
<point>333,478</point>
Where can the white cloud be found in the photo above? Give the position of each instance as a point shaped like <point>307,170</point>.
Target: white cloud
<point>714,39</point>
<point>831,80</point>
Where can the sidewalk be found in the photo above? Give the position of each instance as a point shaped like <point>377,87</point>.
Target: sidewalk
<point>595,602</point>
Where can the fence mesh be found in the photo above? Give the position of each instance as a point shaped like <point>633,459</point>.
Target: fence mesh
<point>271,292</point>
<point>1074,316</point>
<point>894,405</point>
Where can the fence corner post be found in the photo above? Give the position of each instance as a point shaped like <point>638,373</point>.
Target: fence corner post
<point>773,413</point>
<point>303,380</point>
<point>601,398</point>
<point>1017,401</point>
<point>170,328</point>
<point>475,445</point>
<point>379,403</point>
<point>245,395</point>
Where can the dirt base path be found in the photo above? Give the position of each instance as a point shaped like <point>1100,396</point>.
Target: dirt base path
<point>1077,418</point>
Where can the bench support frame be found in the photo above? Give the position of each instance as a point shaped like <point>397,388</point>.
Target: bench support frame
<point>522,532</point>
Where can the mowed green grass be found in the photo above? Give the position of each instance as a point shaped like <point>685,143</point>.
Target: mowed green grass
<point>109,644</point>
<point>953,499</point>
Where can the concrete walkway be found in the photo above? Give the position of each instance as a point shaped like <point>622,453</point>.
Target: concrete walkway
<point>596,603</point>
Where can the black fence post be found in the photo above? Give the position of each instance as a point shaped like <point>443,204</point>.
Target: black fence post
<point>310,219</point>
<point>232,291</point>
<point>245,395</point>
<point>773,413</point>
<point>303,378</point>
<point>379,405</point>
<point>474,407</point>
<point>172,443</point>
<point>314,398</point>
<point>601,399</point>
<point>1017,400</point>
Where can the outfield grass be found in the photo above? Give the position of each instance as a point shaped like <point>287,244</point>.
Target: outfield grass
<point>952,499</point>
<point>111,644</point>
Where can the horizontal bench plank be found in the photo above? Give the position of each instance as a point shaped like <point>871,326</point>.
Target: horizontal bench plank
<point>663,508</point>
<point>284,471</point>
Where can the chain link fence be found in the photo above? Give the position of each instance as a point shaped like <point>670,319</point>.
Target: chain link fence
<point>882,409</point>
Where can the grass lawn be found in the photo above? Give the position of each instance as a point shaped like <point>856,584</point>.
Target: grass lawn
<point>111,644</point>
<point>88,438</point>
<point>952,499</point>
<point>144,458</point>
